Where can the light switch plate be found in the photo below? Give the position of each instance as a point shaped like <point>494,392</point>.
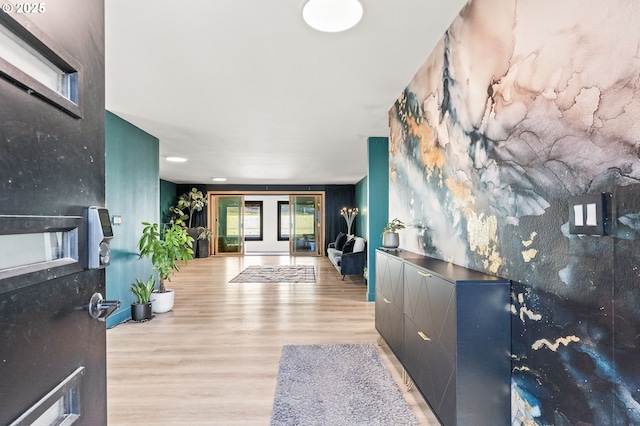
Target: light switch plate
<point>588,214</point>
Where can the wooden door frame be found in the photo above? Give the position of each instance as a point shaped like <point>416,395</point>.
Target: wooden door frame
<point>320,240</point>
<point>212,224</point>
<point>321,194</point>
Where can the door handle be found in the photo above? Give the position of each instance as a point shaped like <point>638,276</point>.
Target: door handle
<point>423,336</point>
<point>100,309</point>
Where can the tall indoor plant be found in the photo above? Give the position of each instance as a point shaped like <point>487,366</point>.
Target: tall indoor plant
<point>189,203</point>
<point>165,250</point>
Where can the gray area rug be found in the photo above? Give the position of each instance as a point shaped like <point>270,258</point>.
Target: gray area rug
<point>337,385</point>
<point>276,274</point>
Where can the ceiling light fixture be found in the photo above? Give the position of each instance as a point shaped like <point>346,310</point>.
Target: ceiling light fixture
<point>332,16</point>
<point>219,179</point>
<point>176,159</point>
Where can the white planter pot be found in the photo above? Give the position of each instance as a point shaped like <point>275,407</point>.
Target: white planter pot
<point>391,240</point>
<point>162,302</point>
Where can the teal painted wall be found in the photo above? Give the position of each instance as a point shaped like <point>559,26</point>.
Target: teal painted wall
<point>378,203</point>
<point>132,192</point>
<point>168,198</point>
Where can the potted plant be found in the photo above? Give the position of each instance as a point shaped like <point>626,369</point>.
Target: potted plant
<point>165,251</point>
<point>204,236</point>
<point>390,237</point>
<point>188,203</point>
<point>141,308</point>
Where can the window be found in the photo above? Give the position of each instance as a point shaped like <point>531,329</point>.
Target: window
<point>30,249</point>
<point>283,221</point>
<point>34,249</point>
<point>232,222</point>
<point>61,406</point>
<point>34,62</point>
<point>253,220</point>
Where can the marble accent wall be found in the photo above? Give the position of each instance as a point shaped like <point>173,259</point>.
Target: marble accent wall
<point>520,106</point>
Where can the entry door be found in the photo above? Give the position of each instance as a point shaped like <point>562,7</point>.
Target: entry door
<point>228,217</point>
<point>305,237</point>
<point>52,159</point>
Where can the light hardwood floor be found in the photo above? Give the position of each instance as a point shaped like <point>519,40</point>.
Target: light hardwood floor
<point>213,360</point>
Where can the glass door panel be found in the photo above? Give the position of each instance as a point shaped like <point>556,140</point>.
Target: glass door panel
<point>305,235</point>
<point>229,230</point>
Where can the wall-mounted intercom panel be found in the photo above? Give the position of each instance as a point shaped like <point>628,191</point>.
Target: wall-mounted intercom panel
<point>99,236</point>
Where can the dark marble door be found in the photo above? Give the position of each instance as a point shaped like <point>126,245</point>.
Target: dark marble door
<point>51,167</point>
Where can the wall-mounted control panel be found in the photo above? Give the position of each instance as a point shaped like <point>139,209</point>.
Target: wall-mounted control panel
<point>99,237</point>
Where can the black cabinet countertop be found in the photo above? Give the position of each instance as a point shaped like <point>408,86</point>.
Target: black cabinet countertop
<point>441,268</point>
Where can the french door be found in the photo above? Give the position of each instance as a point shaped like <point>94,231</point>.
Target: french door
<point>301,222</point>
<point>227,220</point>
<point>305,234</point>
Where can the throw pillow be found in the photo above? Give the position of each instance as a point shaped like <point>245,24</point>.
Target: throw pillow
<point>340,240</point>
<point>348,247</point>
<point>358,245</point>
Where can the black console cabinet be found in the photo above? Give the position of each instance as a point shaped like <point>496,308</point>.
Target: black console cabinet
<point>450,328</point>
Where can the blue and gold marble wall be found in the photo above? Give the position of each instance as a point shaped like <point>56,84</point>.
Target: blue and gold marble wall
<point>520,106</point>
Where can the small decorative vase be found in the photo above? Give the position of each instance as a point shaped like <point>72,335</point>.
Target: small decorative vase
<point>391,240</point>
<point>140,312</point>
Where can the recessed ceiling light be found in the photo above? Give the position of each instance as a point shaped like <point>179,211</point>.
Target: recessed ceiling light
<point>219,179</point>
<point>176,159</point>
<point>332,16</point>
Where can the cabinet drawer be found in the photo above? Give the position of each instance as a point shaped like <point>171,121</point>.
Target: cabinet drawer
<point>430,302</point>
<point>389,278</point>
<point>390,324</point>
<point>433,371</point>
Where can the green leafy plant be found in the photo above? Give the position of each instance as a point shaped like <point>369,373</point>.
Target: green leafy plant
<point>188,203</point>
<point>142,290</point>
<point>177,215</point>
<point>393,226</point>
<point>165,250</point>
<point>204,233</point>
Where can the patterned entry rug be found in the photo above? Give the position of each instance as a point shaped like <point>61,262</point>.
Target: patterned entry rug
<point>276,274</point>
<point>337,385</point>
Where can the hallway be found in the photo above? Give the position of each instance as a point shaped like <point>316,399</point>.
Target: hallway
<point>214,359</point>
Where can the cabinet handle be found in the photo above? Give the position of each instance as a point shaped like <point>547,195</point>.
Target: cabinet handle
<point>386,300</point>
<point>424,336</point>
<point>424,274</point>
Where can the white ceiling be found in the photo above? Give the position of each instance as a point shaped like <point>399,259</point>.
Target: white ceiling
<point>245,90</point>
